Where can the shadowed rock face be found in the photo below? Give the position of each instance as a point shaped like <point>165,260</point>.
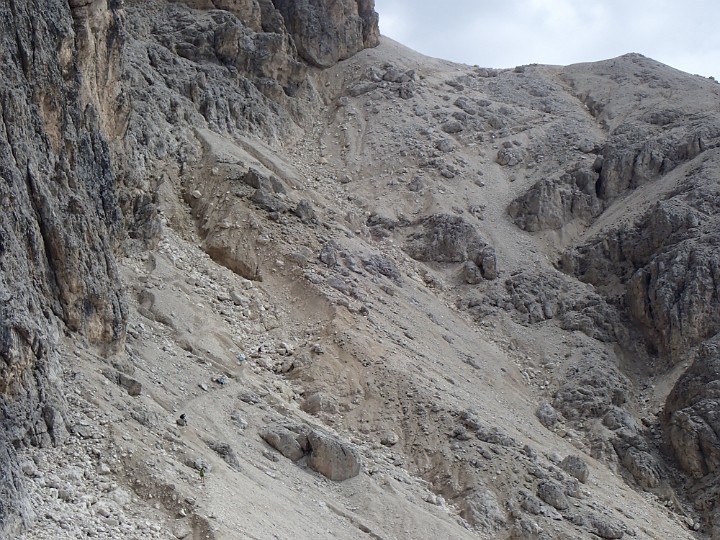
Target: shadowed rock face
<point>326,31</point>
<point>692,415</point>
<point>61,219</point>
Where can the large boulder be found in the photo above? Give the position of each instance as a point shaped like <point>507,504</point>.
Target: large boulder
<point>332,457</point>
<point>288,443</point>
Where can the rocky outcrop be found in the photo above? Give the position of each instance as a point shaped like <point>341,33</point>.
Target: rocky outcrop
<point>450,239</point>
<point>592,386</point>
<point>104,94</point>
<point>691,423</point>
<point>668,266</point>
<point>692,414</point>
<point>551,204</point>
<point>326,31</point>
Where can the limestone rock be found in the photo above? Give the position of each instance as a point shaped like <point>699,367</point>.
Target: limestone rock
<point>133,387</point>
<point>550,204</point>
<point>284,441</point>
<point>606,527</point>
<point>327,31</point>
<point>692,414</point>
<point>446,238</point>
<point>332,457</point>
<point>482,510</point>
<point>547,415</point>
<point>225,451</point>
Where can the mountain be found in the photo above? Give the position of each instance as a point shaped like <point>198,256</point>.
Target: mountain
<point>391,296</point>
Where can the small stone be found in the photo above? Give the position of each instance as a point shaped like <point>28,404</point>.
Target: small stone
<point>28,468</point>
<point>389,439</point>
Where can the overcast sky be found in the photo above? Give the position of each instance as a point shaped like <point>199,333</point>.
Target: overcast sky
<point>505,33</point>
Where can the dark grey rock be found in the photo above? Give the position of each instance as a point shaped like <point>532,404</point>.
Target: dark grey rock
<point>379,264</point>
<point>452,126</point>
<point>552,493</point>
<point>575,466</point>
<point>305,211</point>
<point>225,451</point>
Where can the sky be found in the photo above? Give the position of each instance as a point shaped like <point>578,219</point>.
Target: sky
<point>684,34</point>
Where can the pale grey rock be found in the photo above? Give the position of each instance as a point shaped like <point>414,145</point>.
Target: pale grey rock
<point>389,438</point>
<point>332,457</point>
<point>606,527</point>
<point>551,204</point>
<point>547,415</point>
<point>284,441</point>
<point>482,510</point>
<point>132,386</point>
<point>636,456</point>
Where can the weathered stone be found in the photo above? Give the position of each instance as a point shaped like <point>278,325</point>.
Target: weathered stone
<point>331,457</point>
<point>551,204</point>
<point>305,212</point>
<point>482,510</point>
<point>547,415</point>
<point>225,451</point>
<point>452,126</point>
<point>377,264</point>
<point>691,417</point>
<point>446,238</point>
<point>575,466</point>
<point>552,493</point>
<point>133,387</point>
<point>329,254</point>
<point>349,25</point>
<point>284,441</point>
<point>606,527</point>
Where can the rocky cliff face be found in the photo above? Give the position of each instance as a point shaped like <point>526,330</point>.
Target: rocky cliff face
<point>61,221</point>
<point>82,148</point>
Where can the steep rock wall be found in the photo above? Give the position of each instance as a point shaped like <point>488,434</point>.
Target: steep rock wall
<point>60,219</point>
